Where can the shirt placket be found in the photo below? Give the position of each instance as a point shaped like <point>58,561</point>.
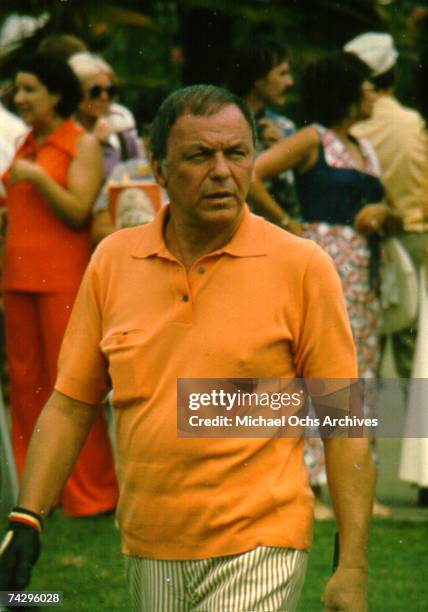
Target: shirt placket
<point>185,286</point>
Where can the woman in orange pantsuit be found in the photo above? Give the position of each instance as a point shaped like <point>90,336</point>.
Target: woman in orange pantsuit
<point>50,187</point>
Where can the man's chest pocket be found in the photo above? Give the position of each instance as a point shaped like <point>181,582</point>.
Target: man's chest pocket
<point>126,353</point>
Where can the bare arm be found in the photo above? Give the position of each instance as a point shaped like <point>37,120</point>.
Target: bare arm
<point>351,480</point>
<point>73,203</point>
<point>102,226</point>
<point>298,151</point>
<point>59,434</point>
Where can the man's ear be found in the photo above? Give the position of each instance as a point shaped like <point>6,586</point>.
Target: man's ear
<point>159,171</point>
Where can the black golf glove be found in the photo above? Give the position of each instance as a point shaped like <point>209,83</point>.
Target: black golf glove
<point>19,549</point>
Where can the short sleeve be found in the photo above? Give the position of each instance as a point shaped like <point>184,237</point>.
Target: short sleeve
<point>82,368</point>
<point>324,348</point>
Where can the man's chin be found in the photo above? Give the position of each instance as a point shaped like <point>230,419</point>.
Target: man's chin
<point>219,215</point>
<point>280,101</point>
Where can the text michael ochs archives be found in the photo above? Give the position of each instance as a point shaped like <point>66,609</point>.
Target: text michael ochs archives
<point>269,407</point>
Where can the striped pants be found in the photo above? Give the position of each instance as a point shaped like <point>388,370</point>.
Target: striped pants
<point>264,579</point>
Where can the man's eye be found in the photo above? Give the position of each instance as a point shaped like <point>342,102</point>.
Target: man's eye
<point>199,156</point>
<point>237,154</point>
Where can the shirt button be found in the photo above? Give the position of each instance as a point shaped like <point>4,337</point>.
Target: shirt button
<point>201,270</point>
<point>185,298</point>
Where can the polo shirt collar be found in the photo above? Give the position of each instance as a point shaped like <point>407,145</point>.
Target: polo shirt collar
<point>249,239</point>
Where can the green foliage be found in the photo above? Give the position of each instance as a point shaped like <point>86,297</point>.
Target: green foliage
<point>142,40</point>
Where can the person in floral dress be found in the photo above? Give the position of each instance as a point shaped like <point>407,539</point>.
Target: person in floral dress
<point>343,203</point>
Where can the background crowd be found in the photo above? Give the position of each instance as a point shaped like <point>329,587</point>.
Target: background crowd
<point>352,176</point>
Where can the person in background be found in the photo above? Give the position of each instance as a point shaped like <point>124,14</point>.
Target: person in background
<point>111,123</point>
<point>50,187</point>
<point>61,46</point>
<point>341,195</point>
<point>12,129</point>
<point>399,137</point>
<point>137,170</point>
<point>259,72</point>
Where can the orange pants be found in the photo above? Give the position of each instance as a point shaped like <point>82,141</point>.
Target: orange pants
<point>34,325</point>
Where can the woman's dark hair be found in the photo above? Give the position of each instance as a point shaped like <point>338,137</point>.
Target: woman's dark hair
<point>253,61</point>
<point>384,80</point>
<point>57,76</point>
<point>330,86</point>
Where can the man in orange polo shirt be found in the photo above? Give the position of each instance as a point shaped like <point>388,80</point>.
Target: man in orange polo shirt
<point>207,290</point>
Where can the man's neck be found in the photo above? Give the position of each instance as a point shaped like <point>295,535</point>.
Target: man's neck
<point>255,103</point>
<point>188,244</point>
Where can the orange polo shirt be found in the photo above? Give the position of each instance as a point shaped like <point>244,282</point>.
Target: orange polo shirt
<point>268,304</point>
<point>42,254</point>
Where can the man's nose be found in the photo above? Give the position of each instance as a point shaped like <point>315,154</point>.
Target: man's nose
<point>220,168</point>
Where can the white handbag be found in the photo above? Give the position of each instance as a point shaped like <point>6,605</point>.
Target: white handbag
<point>399,287</point>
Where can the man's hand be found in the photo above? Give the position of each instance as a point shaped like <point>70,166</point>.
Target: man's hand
<point>19,549</point>
<point>346,591</point>
<point>25,170</point>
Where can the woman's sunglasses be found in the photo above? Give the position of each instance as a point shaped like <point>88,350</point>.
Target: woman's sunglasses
<point>96,90</point>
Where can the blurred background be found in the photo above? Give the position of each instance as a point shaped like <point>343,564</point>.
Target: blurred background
<point>157,45</point>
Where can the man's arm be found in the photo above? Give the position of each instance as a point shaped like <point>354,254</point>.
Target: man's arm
<point>59,434</point>
<point>350,476</point>
<point>102,226</point>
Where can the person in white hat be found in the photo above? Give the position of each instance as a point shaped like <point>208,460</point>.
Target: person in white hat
<point>398,135</point>
<point>376,49</point>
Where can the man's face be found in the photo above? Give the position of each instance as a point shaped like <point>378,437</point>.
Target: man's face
<point>272,88</point>
<point>208,167</point>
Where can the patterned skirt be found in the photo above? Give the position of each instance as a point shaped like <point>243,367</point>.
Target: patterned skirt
<point>350,255</point>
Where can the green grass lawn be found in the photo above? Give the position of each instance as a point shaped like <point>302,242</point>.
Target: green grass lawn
<point>81,558</point>
<point>397,567</point>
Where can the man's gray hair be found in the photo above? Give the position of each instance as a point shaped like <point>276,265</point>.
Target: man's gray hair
<point>202,100</point>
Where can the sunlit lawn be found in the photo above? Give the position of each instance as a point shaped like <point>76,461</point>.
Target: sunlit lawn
<point>81,557</point>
